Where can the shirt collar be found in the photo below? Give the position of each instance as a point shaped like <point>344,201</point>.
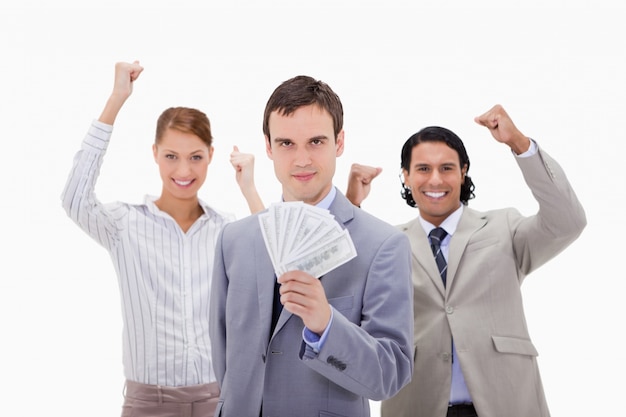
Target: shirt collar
<point>449,224</point>
<point>326,201</point>
<point>150,199</point>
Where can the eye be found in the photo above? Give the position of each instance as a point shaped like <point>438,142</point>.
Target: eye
<point>196,158</point>
<point>170,156</point>
<point>317,141</point>
<point>286,143</point>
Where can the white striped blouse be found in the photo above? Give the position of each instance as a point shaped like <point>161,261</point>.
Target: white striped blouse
<point>164,274</point>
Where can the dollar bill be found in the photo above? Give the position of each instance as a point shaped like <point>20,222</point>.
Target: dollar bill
<point>323,258</point>
<point>304,237</point>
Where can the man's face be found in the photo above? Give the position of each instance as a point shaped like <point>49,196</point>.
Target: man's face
<point>304,150</point>
<point>435,178</point>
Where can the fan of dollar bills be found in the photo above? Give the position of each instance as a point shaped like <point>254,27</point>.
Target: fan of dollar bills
<point>304,237</point>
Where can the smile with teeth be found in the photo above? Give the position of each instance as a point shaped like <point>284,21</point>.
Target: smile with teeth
<point>183,183</point>
<point>433,194</point>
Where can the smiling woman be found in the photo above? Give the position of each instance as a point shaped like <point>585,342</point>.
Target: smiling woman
<point>162,252</point>
<point>183,151</point>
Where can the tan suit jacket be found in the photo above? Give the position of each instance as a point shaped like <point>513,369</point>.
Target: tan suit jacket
<point>490,255</point>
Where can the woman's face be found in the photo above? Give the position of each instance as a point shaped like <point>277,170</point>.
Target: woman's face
<point>183,160</point>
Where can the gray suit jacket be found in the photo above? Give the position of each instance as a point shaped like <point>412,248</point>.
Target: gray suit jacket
<point>368,353</point>
<point>490,255</point>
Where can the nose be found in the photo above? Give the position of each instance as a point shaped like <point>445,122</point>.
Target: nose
<point>303,158</point>
<point>435,177</point>
<point>183,169</point>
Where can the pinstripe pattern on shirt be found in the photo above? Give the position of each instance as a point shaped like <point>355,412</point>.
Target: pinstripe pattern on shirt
<point>163,273</point>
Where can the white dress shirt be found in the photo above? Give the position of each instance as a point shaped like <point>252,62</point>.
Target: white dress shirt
<point>164,273</point>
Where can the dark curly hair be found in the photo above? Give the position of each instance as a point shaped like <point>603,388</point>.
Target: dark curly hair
<point>436,134</point>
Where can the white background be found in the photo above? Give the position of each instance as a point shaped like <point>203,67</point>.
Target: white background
<point>556,66</point>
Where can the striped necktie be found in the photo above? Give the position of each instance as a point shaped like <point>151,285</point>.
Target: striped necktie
<point>436,236</point>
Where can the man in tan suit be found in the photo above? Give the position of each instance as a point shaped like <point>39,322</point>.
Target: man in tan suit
<point>473,353</point>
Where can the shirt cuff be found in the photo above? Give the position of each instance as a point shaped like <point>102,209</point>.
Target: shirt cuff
<point>532,149</point>
<point>315,341</point>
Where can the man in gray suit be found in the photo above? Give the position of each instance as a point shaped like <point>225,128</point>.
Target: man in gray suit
<point>474,356</point>
<point>295,345</point>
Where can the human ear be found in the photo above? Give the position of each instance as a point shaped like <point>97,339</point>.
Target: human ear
<point>339,142</point>
<point>268,147</point>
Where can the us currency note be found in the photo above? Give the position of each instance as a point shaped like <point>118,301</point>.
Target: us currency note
<point>321,259</point>
<point>304,237</point>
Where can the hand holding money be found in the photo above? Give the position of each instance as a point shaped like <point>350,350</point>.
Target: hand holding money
<point>302,237</point>
<point>303,295</point>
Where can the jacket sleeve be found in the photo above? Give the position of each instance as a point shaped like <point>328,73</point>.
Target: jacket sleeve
<point>374,359</point>
<point>217,315</point>
<point>559,220</point>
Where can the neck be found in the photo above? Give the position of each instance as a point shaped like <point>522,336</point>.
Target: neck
<point>184,211</point>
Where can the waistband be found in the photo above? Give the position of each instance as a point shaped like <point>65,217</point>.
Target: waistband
<point>158,393</point>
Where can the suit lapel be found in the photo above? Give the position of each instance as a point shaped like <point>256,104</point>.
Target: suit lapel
<point>265,279</point>
<point>470,222</point>
<point>422,254</point>
<point>282,319</point>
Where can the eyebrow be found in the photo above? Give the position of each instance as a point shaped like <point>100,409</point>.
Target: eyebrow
<point>192,153</point>
<point>426,164</point>
<point>319,137</point>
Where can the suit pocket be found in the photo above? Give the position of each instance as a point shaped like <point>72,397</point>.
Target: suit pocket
<point>481,243</point>
<point>342,303</point>
<point>514,345</point>
<point>329,414</point>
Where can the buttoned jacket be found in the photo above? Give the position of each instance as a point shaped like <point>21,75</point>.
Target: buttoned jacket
<point>481,306</point>
<point>368,353</point>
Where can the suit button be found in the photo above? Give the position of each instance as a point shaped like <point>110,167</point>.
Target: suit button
<point>446,357</point>
<point>263,358</point>
<point>449,309</point>
<point>336,363</point>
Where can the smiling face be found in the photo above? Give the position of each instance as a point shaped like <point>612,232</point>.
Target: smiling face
<point>435,180</point>
<point>183,160</point>
<point>304,151</point>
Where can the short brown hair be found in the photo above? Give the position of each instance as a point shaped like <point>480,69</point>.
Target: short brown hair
<point>302,91</point>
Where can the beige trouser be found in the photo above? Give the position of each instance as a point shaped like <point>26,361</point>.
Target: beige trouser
<point>141,400</point>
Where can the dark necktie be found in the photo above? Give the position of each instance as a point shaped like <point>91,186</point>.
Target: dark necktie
<point>436,237</point>
<point>278,306</point>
